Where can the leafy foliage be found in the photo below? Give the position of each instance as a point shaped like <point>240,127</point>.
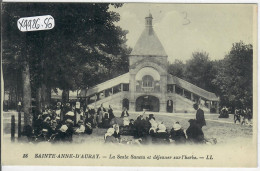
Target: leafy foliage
<point>235,76</point>
<point>231,78</point>
<point>84,34</point>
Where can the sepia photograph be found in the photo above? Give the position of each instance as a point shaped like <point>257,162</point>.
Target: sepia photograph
<point>129,84</point>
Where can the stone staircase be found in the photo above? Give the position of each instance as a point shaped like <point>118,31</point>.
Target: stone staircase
<point>184,105</point>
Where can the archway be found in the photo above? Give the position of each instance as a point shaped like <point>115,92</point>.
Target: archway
<point>169,106</point>
<point>125,103</point>
<point>150,103</point>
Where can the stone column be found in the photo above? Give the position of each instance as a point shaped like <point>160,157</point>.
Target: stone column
<point>132,106</point>
<point>174,88</point>
<point>132,90</point>
<point>163,99</point>
<point>121,87</point>
<point>217,107</point>
<point>191,96</point>
<point>163,105</point>
<point>209,106</point>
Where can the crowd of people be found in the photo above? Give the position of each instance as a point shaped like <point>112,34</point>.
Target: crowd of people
<point>147,130</point>
<point>63,121</point>
<point>242,116</point>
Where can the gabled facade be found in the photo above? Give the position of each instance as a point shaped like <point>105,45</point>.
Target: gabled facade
<point>147,85</point>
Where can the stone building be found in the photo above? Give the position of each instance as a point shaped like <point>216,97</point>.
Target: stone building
<point>147,85</point>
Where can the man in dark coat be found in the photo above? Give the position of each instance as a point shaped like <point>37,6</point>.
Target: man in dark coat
<point>200,119</point>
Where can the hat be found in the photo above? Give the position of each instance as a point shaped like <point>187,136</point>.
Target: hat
<point>47,119</point>
<point>88,124</point>
<point>70,113</point>
<point>44,130</point>
<point>162,128</point>
<point>63,128</point>
<point>195,105</point>
<point>69,121</point>
<point>176,126</point>
<point>80,121</point>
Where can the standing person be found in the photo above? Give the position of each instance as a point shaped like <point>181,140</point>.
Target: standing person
<point>19,106</point>
<point>125,116</point>
<point>200,119</point>
<point>110,112</point>
<point>101,110</point>
<point>237,115</point>
<point>124,113</point>
<point>77,106</point>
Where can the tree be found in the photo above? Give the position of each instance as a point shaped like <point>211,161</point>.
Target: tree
<point>200,71</point>
<point>177,69</point>
<point>235,76</point>
<point>84,34</point>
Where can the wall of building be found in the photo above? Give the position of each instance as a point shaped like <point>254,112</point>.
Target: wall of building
<point>115,101</point>
<point>184,105</point>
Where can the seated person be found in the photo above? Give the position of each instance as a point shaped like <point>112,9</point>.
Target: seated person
<point>46,124</point>
<point>81,127</point>
<point>161,136</point>
<point>69,115</point>
<point>117,134</point>
<point>106,120</point>
<point>154,126</point>
<point>194,132</point>
<point>177,134</point>
<point>69,132</point>
<point>54,130</point>
<point>131,124</point>
<point>112,135</point>
<point>88,128</point>
<point>61,135</point>
<point>43,136</point>
<point>38,125</point>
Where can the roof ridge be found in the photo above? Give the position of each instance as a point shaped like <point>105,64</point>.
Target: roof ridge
<point>196,90</point>
<point>192,84</point>
<point>105,82</point>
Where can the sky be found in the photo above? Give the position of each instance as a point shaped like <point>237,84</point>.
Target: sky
<point>187,28</point>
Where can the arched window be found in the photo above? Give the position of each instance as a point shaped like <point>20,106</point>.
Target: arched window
<point>147,81</point>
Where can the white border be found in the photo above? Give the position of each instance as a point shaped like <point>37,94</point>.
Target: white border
<point>81,168</point>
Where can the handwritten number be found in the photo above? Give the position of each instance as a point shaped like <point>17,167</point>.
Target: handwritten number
<point>47,22</point>
<point>20,24</point>
<point>35,23</point>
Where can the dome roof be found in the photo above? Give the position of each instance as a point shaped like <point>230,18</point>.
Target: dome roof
<point>148,43</point>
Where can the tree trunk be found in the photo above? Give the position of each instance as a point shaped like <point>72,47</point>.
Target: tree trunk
<point>39,99</point>
<point>48,96</point>
<point>27,95</point>
<point>65,96</point>
<point>43,88</point>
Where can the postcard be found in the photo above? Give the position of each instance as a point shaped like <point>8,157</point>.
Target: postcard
<point>129,84</point>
